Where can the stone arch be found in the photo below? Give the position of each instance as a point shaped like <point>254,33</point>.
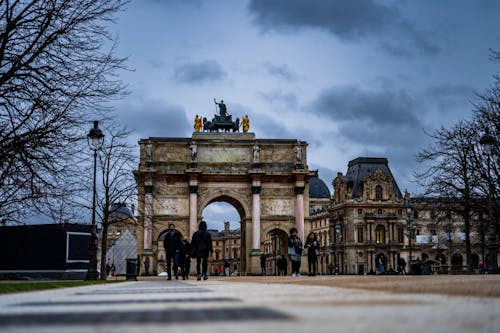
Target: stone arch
<point>233,200</point>
<point>174,185</point>
<point>276,247</point>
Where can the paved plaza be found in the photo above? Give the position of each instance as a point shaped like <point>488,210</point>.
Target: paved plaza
<point>262,304</point>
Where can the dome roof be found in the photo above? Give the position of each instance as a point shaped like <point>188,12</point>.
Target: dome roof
<point>120,210</point>
<point>318,189</point>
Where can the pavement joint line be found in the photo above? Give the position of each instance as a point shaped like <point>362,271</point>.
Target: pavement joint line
<point>129,301</point>
<point>142,316</point>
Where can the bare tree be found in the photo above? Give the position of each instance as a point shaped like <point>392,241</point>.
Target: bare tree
<point>55,75</point>
<point>117,161</point>
<point>450,174</point>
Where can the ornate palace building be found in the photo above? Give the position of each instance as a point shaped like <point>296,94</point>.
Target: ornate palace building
<point>371,228</point>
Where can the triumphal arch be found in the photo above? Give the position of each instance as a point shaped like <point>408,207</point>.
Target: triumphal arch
<point>266,180</point>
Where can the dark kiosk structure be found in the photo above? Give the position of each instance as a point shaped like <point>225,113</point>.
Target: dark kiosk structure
<point>46,251</point>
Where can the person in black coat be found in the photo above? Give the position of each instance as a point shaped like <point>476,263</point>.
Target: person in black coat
<point>312,246</point>
<point>201,247</point>
<point>172,244</point>
<point>184,257</point>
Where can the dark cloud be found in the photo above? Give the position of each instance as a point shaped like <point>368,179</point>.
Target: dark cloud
<point>199,72</point>
<point>449,90</point>
<point>279,71</point>
<point>155,118</point>
<point>348,20</point>
<point>353,104</point>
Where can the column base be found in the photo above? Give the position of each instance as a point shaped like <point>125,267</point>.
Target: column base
<point>256,252</point>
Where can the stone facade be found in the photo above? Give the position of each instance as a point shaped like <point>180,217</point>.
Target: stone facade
<point>178,177</point>
<point>368,225</point>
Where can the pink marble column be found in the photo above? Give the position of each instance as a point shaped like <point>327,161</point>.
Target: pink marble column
<point>299,209</point>
<point>148,213</point>
<point>193,208</point>
<point>256,187</point>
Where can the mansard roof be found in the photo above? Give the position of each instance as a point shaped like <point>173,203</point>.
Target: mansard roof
<point>361,168</point>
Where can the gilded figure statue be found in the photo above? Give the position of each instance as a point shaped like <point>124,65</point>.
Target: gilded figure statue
<point>197,124</point>
<point>245,123</point>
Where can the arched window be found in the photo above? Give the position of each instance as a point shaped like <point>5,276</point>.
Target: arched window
<point>378,192</point>
<point>380,234</point>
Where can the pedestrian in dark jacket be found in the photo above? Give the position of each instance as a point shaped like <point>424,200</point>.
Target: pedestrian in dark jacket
<point>184,257</point>
<point>312,247</point>
<point>201,247</point>
<point>172,244</point>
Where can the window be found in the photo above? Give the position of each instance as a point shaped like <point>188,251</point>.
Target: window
<point>360,234</point>
<point>379,211</point>
<point>380,234</point>
<point>401,235</point>
<point>360,211</point>
<point>448,214</point>
<point>415,214</point>
<point>433,232</point>
<point>400,212</point>
<point>433,214</point>
<point>378,192</point>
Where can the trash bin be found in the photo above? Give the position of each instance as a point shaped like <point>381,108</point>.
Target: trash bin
<point>131,273</point>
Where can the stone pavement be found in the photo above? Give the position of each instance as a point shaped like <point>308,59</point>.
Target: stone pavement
<point>223,305</point>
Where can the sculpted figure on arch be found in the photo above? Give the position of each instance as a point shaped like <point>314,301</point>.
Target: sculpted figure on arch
<point>245,123</point>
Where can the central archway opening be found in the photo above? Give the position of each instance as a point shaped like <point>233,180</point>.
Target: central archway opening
<point>223,216</point>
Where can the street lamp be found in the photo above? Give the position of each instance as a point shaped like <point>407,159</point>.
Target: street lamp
<point>408,227</point>
<point>488,142</point>
<point>338,238</point>
<point>95,140</point>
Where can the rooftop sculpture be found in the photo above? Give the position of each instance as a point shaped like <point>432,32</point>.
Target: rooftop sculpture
<point>223,121</point>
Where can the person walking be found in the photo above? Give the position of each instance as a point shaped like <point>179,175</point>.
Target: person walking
<point>201,247</point>
<point>263,264</point>
<point>227,268</point>
<point>312,246</point>
<point>184,257</point>
<point>295,251</point>
<point>172,245</point>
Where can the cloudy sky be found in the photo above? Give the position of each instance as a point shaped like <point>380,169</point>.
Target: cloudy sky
<point>352,78</point>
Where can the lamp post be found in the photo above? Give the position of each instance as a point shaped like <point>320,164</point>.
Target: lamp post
<point>338,238</point>
<point>408,227</point>
<point>487,141</point>
<point>95,140</point>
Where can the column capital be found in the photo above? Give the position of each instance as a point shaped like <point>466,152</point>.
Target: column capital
<point>299,189</point>
<point>256,189</point>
